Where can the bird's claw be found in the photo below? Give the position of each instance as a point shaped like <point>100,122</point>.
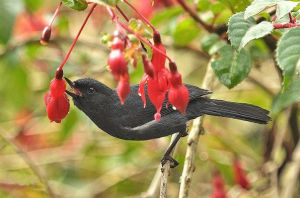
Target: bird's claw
<point>173,162</point>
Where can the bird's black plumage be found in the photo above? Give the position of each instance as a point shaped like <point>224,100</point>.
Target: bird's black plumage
<point>132,121</point>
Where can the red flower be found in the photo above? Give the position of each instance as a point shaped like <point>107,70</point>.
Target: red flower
<point>56,100</point>
<point>148,66</point>
<point>123,88</point>
<point>219,190</point>
<point>240,176</point>
<point>117,63</point>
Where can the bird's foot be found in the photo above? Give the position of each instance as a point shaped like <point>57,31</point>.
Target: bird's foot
<point>173,162</point>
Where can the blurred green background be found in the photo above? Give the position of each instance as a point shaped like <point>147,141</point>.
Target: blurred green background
<point>75,158</point>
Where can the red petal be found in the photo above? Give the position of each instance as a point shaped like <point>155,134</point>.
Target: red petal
<point>57,87</point>
<point>58,108</point>
<point>179,97</point>
<point>141,90</point>
<point>156,94</point>
<point>123,88</point>
<point>47,98</point>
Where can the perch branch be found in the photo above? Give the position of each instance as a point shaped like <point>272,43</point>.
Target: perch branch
<point>192,142</point>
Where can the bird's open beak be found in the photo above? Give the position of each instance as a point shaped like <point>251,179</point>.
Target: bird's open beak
<point>75,92</point>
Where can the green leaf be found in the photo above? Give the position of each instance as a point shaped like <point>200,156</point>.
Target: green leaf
<point>208,41</point>
<point>290,96</point>
<point>8,12</point>
<point>255,32</point>
<point>232,67</point>
<point>288,53</point>
<point>106,2</point>
<point>259,5</point>
<point>185,31</point>
<point>237,28</point>
<point>203,5</point>
<point>76,4</point>
<point>285,7</point>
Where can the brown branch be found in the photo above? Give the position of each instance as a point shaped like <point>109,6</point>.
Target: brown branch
<point>195,16</point>
<point>192,142</point>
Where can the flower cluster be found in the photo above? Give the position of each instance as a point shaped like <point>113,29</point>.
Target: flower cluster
<point>118,65</point>
<point>161,81</point>
<point>56,100</point>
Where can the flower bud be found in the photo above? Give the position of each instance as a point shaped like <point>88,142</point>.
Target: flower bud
<point>218,191</point>
<point>117,44</point>
<point>117,63</point>
<point>57,87</point>
<point>158,60</point>
<point>179,98</point>
<point>148,67</point>
<point>57,107</point>
<point>45,38</point>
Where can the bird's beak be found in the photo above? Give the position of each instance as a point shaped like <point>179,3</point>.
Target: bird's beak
<point>75,92</point>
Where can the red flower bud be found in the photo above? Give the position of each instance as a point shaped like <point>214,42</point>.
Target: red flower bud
<point>117,44</point>
<point>218,191</point>
<point>240,176</point>
<point>45,38</point>
<point>179,98</point>
<point>123,88</point>
<point>148,67</point>
<point>57,107</point>
<point>175,79</point>
<point>117,63</point>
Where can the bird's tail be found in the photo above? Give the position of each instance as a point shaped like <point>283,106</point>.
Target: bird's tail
<point>240,111</point>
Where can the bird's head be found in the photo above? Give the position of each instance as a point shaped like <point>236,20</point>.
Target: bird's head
<point>88,94</point>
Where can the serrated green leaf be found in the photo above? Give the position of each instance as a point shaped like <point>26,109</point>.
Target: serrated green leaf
<point>208,41</point>
<point>237,28</point>
<point>290,96</point>
<point>185,31</point>
<point>256,31</point>
<point>259,5</point>
<point>106,2</point>
<point>76,4</point>
<point>232,67</point>
<point>288,53</point>
<point>8,12</point>
<point>284,8</point>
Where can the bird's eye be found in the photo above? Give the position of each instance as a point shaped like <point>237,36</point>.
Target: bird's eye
<point>91,90</point>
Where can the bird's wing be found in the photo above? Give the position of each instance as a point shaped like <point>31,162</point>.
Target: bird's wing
<point>136,115</point>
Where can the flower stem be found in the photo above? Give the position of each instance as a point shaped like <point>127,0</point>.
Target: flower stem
<point>77,36</point>
<point>285,25</point>
<point>141,15</point>
<point>55,14</point>
<point>124,26</point>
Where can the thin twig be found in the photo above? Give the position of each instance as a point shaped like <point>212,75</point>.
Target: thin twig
<point>165,173</point>
<point>31,164</point>
<point>195,16</point>
<point>192,142</point>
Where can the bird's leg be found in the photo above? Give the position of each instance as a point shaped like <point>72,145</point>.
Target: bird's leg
<point>167,156</point>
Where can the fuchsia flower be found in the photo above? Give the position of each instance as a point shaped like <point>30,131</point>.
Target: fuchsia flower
<point>56,100</point>
<point>160,81</point>
<point>219,189</point>
<point>240,176</point>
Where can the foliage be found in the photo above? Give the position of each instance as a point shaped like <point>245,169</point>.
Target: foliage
<point>252,47</point>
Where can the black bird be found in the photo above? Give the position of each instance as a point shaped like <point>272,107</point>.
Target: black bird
<point>131,121</point>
